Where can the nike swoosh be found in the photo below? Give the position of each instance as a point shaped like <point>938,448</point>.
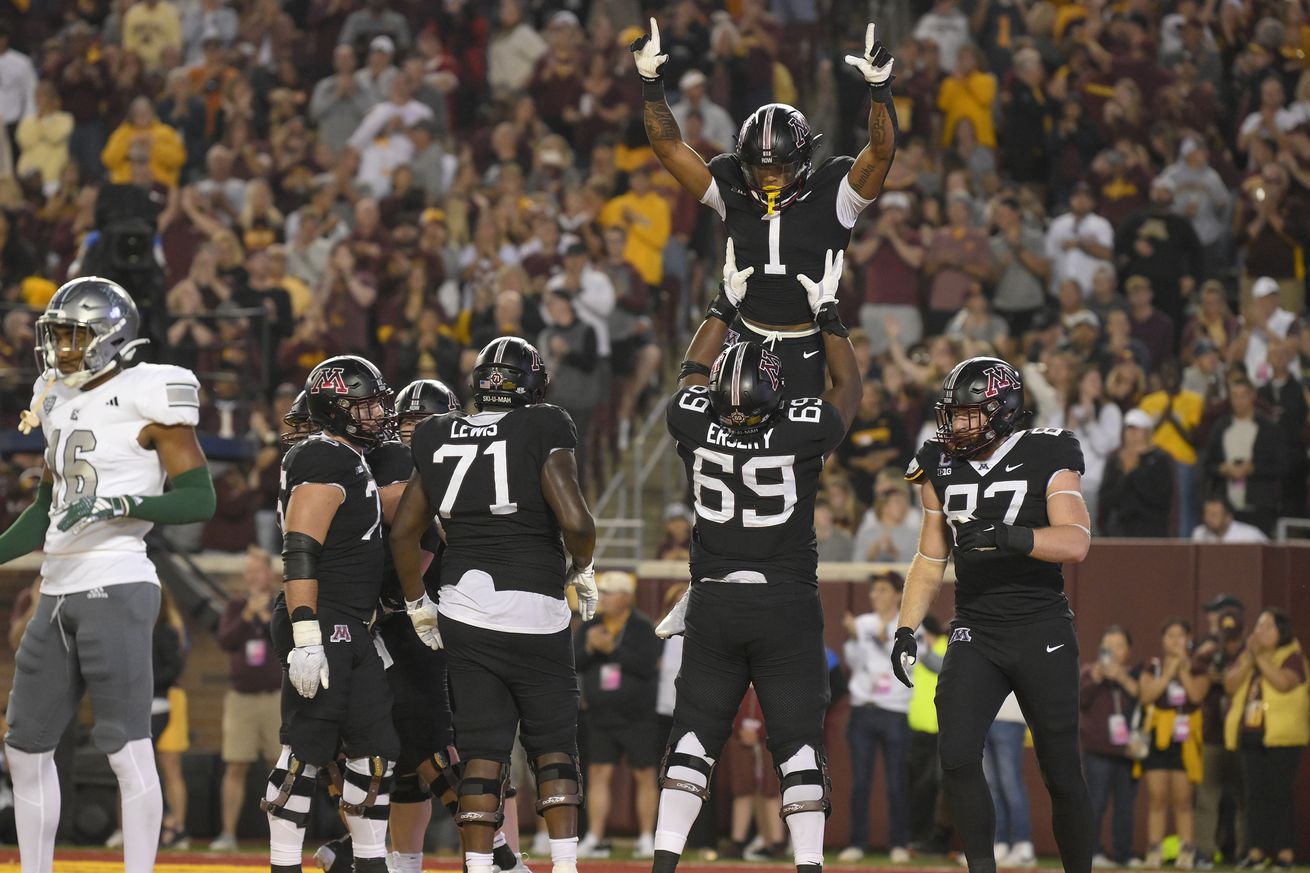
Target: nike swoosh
<point>1050,649</point>
<point>808,355</point>
<point>1008,468</point>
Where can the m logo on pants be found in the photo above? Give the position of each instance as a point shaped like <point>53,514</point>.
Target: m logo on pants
<point>340,634</point>
<point>959,635</point>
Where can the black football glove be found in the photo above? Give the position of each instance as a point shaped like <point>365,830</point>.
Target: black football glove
<point>905,652</point>
<point>985,536</point>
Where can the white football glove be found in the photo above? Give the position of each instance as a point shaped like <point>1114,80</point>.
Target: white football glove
<point>646,52</point>
<point>824,291</point>
<point>307,665</point>
<point>423,615</point>
<point>734,280</point>
<point>583,582</point>
<point>876,62</point>
<point>676,621</point>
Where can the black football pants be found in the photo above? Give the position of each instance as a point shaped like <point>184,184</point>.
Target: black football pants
<point>804,364</point>
<point>1039,663</point>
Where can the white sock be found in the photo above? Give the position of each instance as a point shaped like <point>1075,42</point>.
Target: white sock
<point>286,841</point>
<point>478,862</point>
<point>368,835</point>
<point>405,862</point>
<point>564,851</point>
<point>806,827</point>
<point>498,840</point>
<point>36,807</point>
<point>143,804</point>
<point>678,809</point>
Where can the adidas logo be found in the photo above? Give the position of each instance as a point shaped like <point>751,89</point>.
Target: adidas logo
<point>112,401</point>
<point>97,594</point>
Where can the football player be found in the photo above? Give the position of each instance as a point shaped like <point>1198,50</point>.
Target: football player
<point>504,484</point>
<point>781,212</point>
<point>417,674</point>
<point>335,693</point>
<point>113,437</point>
<point>754,459</point>
<point>1007,504</point>
<point>298,420</point>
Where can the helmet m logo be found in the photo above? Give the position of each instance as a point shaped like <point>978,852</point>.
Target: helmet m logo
<point>331,379</point>
<point>771,366</point>
<point>799,126</point>
<point>536,359</point>
<point>996,380</point>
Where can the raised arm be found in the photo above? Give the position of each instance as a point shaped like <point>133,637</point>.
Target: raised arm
<point>847,386</point>
<point>875,159</point>
<point>662,129</point>
<point>708,341</point>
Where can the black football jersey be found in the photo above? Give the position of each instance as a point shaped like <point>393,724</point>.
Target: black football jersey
<point>754,494</point>
<point>785,244</point>
<point>1010,487</point>
<point>482,473</point>
<point>350,565</point>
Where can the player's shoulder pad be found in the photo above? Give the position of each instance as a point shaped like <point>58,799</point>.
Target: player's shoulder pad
<point>930,456</point>
<point>830,173</point>
<point>727,172</point>
<point>390,462</point>
<point>687,409</point>
<point>1059,447</point>
<point>552,424</point>
<point>162,393</point>
<point>321,459</point>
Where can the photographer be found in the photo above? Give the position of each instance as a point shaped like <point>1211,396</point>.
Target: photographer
<point>1221,778</point>
<point>1108,697</point>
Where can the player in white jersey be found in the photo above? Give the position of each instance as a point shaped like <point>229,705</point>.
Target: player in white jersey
<point>113,436</point>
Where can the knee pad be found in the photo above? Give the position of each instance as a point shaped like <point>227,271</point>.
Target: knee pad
<point>687,755</point>
<point>481,786</point>
<point>290,789</point>
<point>366,788</point>
<point>410,788</point>
<point>557,766</point>
<point>808,767</point>
<point>441,773</point>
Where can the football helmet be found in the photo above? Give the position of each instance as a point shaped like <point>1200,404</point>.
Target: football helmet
<point>420,400</point>
<point>746,387</point>
<point>94,315</point>
<point>775,150</point>
<point>347,396</point>
<point>297,418</point>
<point>991,387</point>
<point>509,372</point>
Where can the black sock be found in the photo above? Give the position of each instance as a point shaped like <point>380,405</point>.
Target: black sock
<point>1071,819</point>
<point>284,868</point>
<point>504,857</point>
<point>370,865</point>
<point>809,868</point>
<point>971,806</point>
<point>987,865</point>
<point>665,861</point>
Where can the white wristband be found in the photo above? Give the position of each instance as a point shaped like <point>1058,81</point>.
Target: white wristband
<point>926,558</point>
<point>414,605</point>
<point>306,633</point>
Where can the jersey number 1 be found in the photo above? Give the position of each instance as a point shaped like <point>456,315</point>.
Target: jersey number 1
<point>464,456</point>
<point>775,266</point>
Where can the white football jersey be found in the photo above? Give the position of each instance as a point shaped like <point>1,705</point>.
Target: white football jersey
<point>92,450</point>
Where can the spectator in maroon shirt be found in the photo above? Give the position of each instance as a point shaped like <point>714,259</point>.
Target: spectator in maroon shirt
<point>1150,325</point>
<point>889,256</point>
<point>251,712</point>
<point>1107,698</point>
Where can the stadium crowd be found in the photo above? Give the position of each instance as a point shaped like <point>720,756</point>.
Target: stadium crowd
<point>1114,195</point>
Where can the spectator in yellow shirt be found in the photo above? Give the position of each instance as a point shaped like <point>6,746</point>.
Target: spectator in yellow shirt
<point>142,129</point>
<point>647,218</point>
<point>150,28</point>
<point>968,93</point>
<point>1177,414</point>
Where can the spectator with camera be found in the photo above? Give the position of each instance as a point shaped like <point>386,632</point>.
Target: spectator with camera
<point>1220,802</point>
<point>1269,723</point>
<point>1108,700</point>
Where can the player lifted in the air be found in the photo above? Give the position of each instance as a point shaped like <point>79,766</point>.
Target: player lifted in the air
<point>781,212</point>
<point>113,437</point>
